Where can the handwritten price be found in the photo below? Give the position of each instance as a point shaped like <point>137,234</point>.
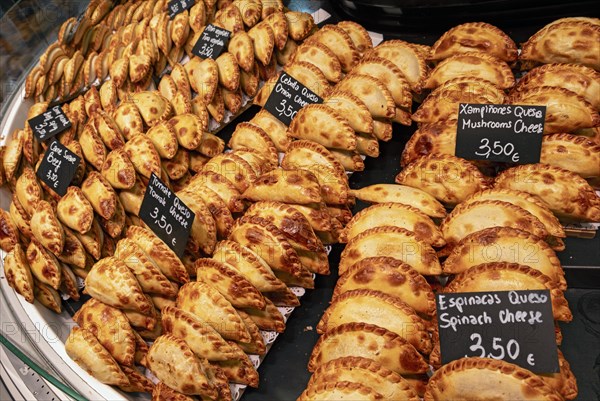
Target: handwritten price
<point>497,149</point>
<point>286,111</point>
<point>511,350</point>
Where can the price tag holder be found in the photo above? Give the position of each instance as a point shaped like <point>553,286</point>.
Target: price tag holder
<point>515,326</point>
<point>166,215</point>
<point>50,123</point>
<point>179,6</point>
<point>212,42</point>
<point>500,132</point>
<point>288,97</point>
<point>58,167</point>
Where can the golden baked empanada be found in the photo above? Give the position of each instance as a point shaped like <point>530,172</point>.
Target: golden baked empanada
<point>9,232</point>
<point>167,261</point>
<point>167,87</point>
<point>18,273</point>
<point>279,24</point>
<point>340,43</point>
<point>108,130</point>
<point>290,221</point>
<point>100,194</point>
<point>128,119</point>
<point>477,65</point>
<point>44,266</point>
<point>48,297</point>
<point>210,306</point>
<point>177,166</point>
<point>202,339</point>
<point>257,345</point>
<point>372,92</point>
<point>434,173</point>
<point>573,41</point>
<point>92,146</point>
<point>367,341</point>
<point>172,361</point>
<point>475,37</point>
<point>46,228</point>
<point>352,109</point>
<point>305,280</point>
<point>83,348</point>
<point>110,326</point>
<point>138,383</point>
<point>203,233</point>
<point>20,218</point>
<point>248,135</point>
<point>571,152</point>
<point>284,56</point>
<point>358,34</point>
<point>322,57</point>
<point>231,284</point>
<point>390,76</point>
<point>308,75</point>
<point>28,190</point>
<point>153,107</point>
<point>300,24</point>
<point>394,242</point>
<point>568,195</point>
<point>280,185</point>
<point>380,309</point>
<point>505,244</point>
<point>232,100</point>
<point>210,145</point>
<point>394,214</point>
<point>407,58</point>
<point>242,48</point>
<point>442,103</point>
<point>268,242</point>
<point>11,158</point>
<point>284,298</point>
<point>324,125</point>
<point>143,155</point>
<point>218,209</point>
<point>249,81</point>
<point>108,94</point>
<point>148,274</point>
<point>263,40</point>
<point>275,129</point>
<point>228,71</point>
<point>118,170</point>
<point>366,144</point>
<point>73,252</point>
<point>239,370</point>
<point>481,378</point>
<point>161,391</point>
<point>164,139</point>
<point>565,110</point>
<point>503,276</point>
<point>388,383</point>
<point>231,166</point>
<point>381,193</point>
<point>269,319</point>
<point>577,78</point>
<point>342,390</point>
<point>249,264</point>
<point>221,186</point>
<point>92,240</point>
<point>392,277</point>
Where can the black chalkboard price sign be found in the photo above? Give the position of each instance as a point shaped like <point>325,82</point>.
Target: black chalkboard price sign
<point>288,97</point>
<point>500,132</point>
<point>50,123</point>
<point>58,167</point>
<point>178,6</point>
<point>515,326</point>
<point>166,215</point>
<point>212,42</point>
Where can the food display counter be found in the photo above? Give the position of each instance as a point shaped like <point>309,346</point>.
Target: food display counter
<point>234,115</point>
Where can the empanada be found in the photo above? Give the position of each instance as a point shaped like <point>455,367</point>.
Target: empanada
<point>138,383</point>
<point>221,186</point>
<point>100,194</point>
<point>128,119</point>
<point>351,160</point>
<point>163,256</point>
<point>210,145</point>
<point>203,233</point>
<point>308,75</point>
<point>573,41</point>
<point>505,244</point>
<point>481,378</point>
<point>305,280</point>
<point>368,341</point>
<point>152,106</point>
<point>249,264</point>
<point>407,58</point>
<point>577,78</point>
<point>148,274</point>
<point>173,362</point>
<point>503,276</point>
<point>11,157</point>
<point>242,48</point>
<point>231,284</point>
<point>239,370</point>
<point>284,298</point>
<point>290,221</point>
<point>46,228</point>
<point>342,390</point>
<point>268,242</point>
<point>392,277</point>
<point>202,339</point>
<point>92,146</point>
<point>394,242</point>
<point>292,186</point>
<point>118,170</point>
<point>269,319</point>
<point>210,306</point>
<point>110,326</point>
<point>571,152</point>
<point>279,24</point>
<point>83,348</point>
<point>231,166</point>
<point>44,266</point>
<point>218,209</point>
<point>381,193</point>
<point>322,57</point>
<point>285,55</point>
<point>232,100</point>
<point>358,34</point>
<point>263,39</point>
<point>48,297</point>
<point>20,218</point>
<point>275,129</point>
<point>9,232</point>
<point>257,345</point>
<point>394,214</point>
<point>372,92</point>
<point>380,309</point>
<point>568,195</point>
<point>73,252</point>
<point>108,130</point>
<point>248,135</point>
<point>324,125</point>
<point>388,383</point>
<point>563,382</point>
<point>449,179</point>
<point>249,81</point>
<point>340,43</point>
<point>28,190</point>
<point>228,71</point>
<point>390,76</point>
<point>352,108</point>
<point>300,24</point>
<point>177,166</point>
<point>143,155</point>
<point>18,274</point>
<point>477,65</point>
<point>161,391</point>
<point>566,111</point>
<point>475,37</point>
